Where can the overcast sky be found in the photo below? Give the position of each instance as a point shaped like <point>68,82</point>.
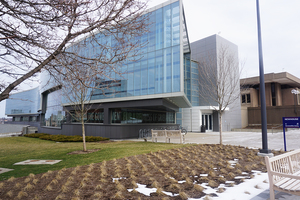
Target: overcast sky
<point>236,21</point>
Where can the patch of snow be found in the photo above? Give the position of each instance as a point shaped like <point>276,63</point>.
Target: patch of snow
<point>208,189</point>
<point>142,189</point>
<point>228,182</point>
<point>246,190</point>
<point>147,191</point>
<point>170,194</point>
<point>232,162</point>
<point>116,179</point>
<point>240,177</point>
<point>203,174</point>
<point>181,181</point>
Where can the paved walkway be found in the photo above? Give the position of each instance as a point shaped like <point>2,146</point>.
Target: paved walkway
<point>248,139</point>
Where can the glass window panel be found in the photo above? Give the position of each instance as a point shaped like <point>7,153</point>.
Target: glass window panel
<point>159,72</point>
<point>131,116</point>
<point>175,23</point>
<point>130,79</point>
<point>159,29</point>
<point>168,70</point>
<point>167,26</point>
<point>116,116</point>
<point>54,115</point>
<point>243,98</point>
<point>144,75</point>
<point>248,98</point>
<point>137,79</point>
<point>152,32</point>
<point>151,72</point>
<point>176,69</point>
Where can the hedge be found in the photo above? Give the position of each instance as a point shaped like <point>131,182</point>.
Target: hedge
<point>64,138</point>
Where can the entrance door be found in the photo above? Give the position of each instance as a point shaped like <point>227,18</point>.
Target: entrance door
<point>207,121</point>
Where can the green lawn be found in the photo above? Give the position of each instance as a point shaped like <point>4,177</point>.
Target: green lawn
<point>17,149</point>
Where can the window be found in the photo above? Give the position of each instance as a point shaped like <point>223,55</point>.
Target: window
<point>54,115</point>
<point>246,98</point>
<point>273,92</point>
<point>130,116</point>
<point>243,98</point>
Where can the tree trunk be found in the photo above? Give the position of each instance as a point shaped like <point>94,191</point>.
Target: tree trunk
<point>82,124</point>
<point>83,135</point>
<point>220,127</point>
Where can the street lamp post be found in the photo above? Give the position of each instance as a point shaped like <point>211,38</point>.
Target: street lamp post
<point>263,108</point>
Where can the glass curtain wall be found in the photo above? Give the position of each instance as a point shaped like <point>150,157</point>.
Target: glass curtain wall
<point>187,75</point>
<point>156,70</point>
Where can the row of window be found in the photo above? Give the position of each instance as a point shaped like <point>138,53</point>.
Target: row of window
<point>126,116</point>
<point>26,119</point>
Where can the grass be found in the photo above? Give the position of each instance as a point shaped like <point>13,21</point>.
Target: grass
<point>17,149</point>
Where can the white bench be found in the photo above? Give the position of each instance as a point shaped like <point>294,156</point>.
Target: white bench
<point>167,134</point>
<point>284,173</point>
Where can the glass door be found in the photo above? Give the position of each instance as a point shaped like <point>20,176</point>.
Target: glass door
<point>207,121</point>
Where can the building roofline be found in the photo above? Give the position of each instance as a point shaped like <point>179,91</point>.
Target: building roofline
<point>282,78</point>
<point>24,90</point>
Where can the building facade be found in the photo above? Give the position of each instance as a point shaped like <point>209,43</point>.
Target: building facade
<point>280,100</point>
<point>204,111</point>
<point>152,92</point>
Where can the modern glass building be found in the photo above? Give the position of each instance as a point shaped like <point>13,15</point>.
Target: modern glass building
<point>24,106</point>
<point>151,92</point>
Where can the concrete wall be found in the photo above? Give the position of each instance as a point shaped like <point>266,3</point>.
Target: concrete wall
<point>109,131</point>
<point>209,48</point>
<point>288,97</point>
<point>274,114</point>
<point>254,97</point>
<point>244,114</point>
<point>11,128</point>
<point>192,119</point>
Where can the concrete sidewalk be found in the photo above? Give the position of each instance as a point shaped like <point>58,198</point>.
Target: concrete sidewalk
<point>247,139</point>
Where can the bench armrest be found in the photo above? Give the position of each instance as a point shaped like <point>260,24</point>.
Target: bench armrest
<point>284,175</point>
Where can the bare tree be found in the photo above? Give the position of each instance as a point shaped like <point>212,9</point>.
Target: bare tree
<point>77,96</point>
<point>36,34</point>
<point>219,80</point>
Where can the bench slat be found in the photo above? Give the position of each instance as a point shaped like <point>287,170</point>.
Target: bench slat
<point>290,184</point>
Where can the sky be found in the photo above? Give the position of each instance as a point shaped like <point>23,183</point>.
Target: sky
<point>236,21</point>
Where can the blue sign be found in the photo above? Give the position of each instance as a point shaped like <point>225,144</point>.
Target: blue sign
<point>289,122</point>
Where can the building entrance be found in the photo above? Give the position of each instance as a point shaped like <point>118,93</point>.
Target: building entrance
<point>207,120</point>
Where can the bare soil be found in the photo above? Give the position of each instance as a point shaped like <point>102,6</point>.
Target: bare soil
<point>161,170</point>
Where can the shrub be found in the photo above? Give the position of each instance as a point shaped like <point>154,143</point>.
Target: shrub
<point>65,138</point>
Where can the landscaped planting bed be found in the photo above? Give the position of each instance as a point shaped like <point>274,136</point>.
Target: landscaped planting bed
<point>171,174</point>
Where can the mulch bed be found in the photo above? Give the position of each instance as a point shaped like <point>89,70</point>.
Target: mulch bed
<point>161,170</point>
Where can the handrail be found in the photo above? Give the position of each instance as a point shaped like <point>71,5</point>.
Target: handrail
<point>275,127</point>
